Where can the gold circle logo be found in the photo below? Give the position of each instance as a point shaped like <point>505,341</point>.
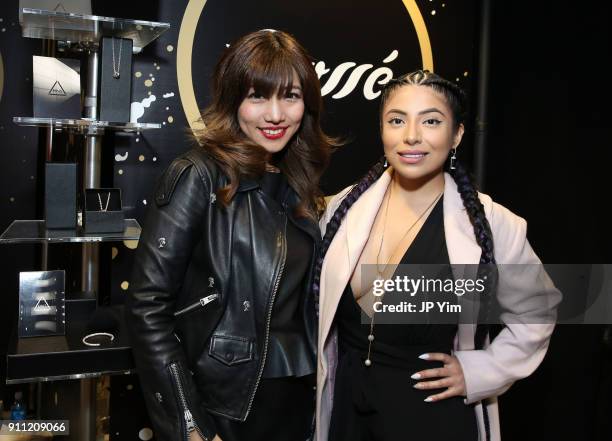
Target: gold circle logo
<point>192,14</point>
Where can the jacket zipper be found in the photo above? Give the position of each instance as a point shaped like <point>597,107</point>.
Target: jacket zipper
<point>203,302</point>
<point>189,421</point>
<point>282,239</point>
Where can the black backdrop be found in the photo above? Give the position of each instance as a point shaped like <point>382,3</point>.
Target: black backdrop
<point>547,149</point>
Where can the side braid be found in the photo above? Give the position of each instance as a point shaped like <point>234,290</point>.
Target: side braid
<point>336,220</point>
<point>486,269</point>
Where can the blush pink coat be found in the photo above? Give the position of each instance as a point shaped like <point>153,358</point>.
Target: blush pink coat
<point>514,354</point>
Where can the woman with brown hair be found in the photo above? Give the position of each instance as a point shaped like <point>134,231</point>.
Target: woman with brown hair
<point>222,324</point>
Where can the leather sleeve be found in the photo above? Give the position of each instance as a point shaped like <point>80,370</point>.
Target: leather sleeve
<point>173,226</point>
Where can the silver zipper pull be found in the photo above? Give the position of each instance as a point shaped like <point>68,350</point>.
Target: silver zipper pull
<point>211,282</point>
<point>189,421</point>
<point>206,300</point>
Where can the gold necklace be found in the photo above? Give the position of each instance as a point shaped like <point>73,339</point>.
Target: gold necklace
<point>368,361</point>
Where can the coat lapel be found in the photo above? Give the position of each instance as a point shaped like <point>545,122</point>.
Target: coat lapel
<point>344,252</point>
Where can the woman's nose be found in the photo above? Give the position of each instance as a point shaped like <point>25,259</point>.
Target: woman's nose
<point>274,111</point>
<point>412,133</point>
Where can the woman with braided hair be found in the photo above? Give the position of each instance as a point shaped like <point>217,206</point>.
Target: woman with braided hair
<point>417,205</point>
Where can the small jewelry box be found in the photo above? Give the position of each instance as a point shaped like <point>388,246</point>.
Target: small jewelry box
<point>103,211</point>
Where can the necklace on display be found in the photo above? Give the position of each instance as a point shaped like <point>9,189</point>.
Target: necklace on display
<point>368,361</point>
<point>116,63</point>
<point>105,208</point>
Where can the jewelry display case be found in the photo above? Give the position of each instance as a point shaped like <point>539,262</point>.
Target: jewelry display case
<point>95,340</point>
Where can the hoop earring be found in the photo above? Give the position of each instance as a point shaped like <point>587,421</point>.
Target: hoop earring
<point>453,159</point>
<point>386,164</point>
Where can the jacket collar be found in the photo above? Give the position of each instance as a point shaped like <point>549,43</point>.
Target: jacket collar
<point>290,201</point>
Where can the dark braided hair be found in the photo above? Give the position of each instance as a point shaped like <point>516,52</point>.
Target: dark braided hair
<point>456,99</point>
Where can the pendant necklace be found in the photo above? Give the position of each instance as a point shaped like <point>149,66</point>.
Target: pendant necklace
<point>116,63</point>
<point>105,208</point>
<point>368,360</point>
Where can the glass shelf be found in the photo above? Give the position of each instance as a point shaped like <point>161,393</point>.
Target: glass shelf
<point>63,357</point>
<point>84,124</point>
<point>34,231</point>
<point>86,30</point>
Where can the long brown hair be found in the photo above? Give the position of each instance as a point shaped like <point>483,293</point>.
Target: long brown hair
<point>266,60</point>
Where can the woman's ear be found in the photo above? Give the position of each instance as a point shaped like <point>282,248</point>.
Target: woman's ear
<point>458,135</point>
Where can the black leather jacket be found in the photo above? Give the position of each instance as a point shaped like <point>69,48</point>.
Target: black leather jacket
<point>201,296</point>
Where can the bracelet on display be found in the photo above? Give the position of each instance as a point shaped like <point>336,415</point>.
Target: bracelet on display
<point>97,334</point>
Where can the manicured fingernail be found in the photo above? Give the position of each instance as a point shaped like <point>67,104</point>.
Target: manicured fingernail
<point>428,400</point>
<point>416,376</point>
<point>417,386</point>
<point>424,356</point>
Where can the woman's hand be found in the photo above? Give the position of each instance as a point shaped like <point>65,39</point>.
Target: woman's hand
<point>449,376</point>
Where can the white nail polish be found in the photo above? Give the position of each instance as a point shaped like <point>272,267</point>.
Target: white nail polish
<point>424,356</point>
<point>416,376</point>
<point>428,400</point>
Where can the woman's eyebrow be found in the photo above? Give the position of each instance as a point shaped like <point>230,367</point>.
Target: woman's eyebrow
<point>422,112</point>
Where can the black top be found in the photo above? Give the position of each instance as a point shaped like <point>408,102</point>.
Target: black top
<point>288,350</point>
<point>395,343</point>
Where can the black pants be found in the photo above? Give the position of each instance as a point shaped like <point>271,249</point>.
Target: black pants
<point>283,410</point>
<point>378,403</point>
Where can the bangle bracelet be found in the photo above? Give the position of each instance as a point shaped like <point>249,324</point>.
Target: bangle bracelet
<point>97,334</point>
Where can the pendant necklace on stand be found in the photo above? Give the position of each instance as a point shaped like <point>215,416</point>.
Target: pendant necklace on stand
<point>116,63</point>
<point>105,208</point>
<point>368,360</point>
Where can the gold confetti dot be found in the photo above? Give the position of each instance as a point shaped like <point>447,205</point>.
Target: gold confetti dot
<point>12,199</point>
<point>125,285</point>
<point>148,83</point>
<point>170,119</point>
<point>141,158</point>
<point>157,68</point>
<point>433,12</point>
<point>465,74</point>
<point>169,48</point>
<point>149,92</point>
<point>114,252</point>
<point>138,74</point>
<point>457,79</point>
<point>120,171</point>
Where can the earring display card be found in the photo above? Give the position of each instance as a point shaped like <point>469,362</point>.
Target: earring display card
<point>57,87</point>
<point>42,308</point>
<point>103,211</point>
<point>115,79</point>
<point>60,195</point>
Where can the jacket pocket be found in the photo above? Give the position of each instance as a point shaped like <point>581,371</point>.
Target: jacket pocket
<point>231,350</point>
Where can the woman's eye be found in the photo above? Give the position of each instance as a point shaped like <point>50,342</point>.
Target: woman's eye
<point>432,122</point>
<point>395,121</point>
<point>255,96</point>
<point>293,96</point>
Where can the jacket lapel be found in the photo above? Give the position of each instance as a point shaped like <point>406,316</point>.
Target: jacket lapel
<point>346,248</point>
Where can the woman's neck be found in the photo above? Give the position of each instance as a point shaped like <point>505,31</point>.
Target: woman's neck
<point>417,192</point>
